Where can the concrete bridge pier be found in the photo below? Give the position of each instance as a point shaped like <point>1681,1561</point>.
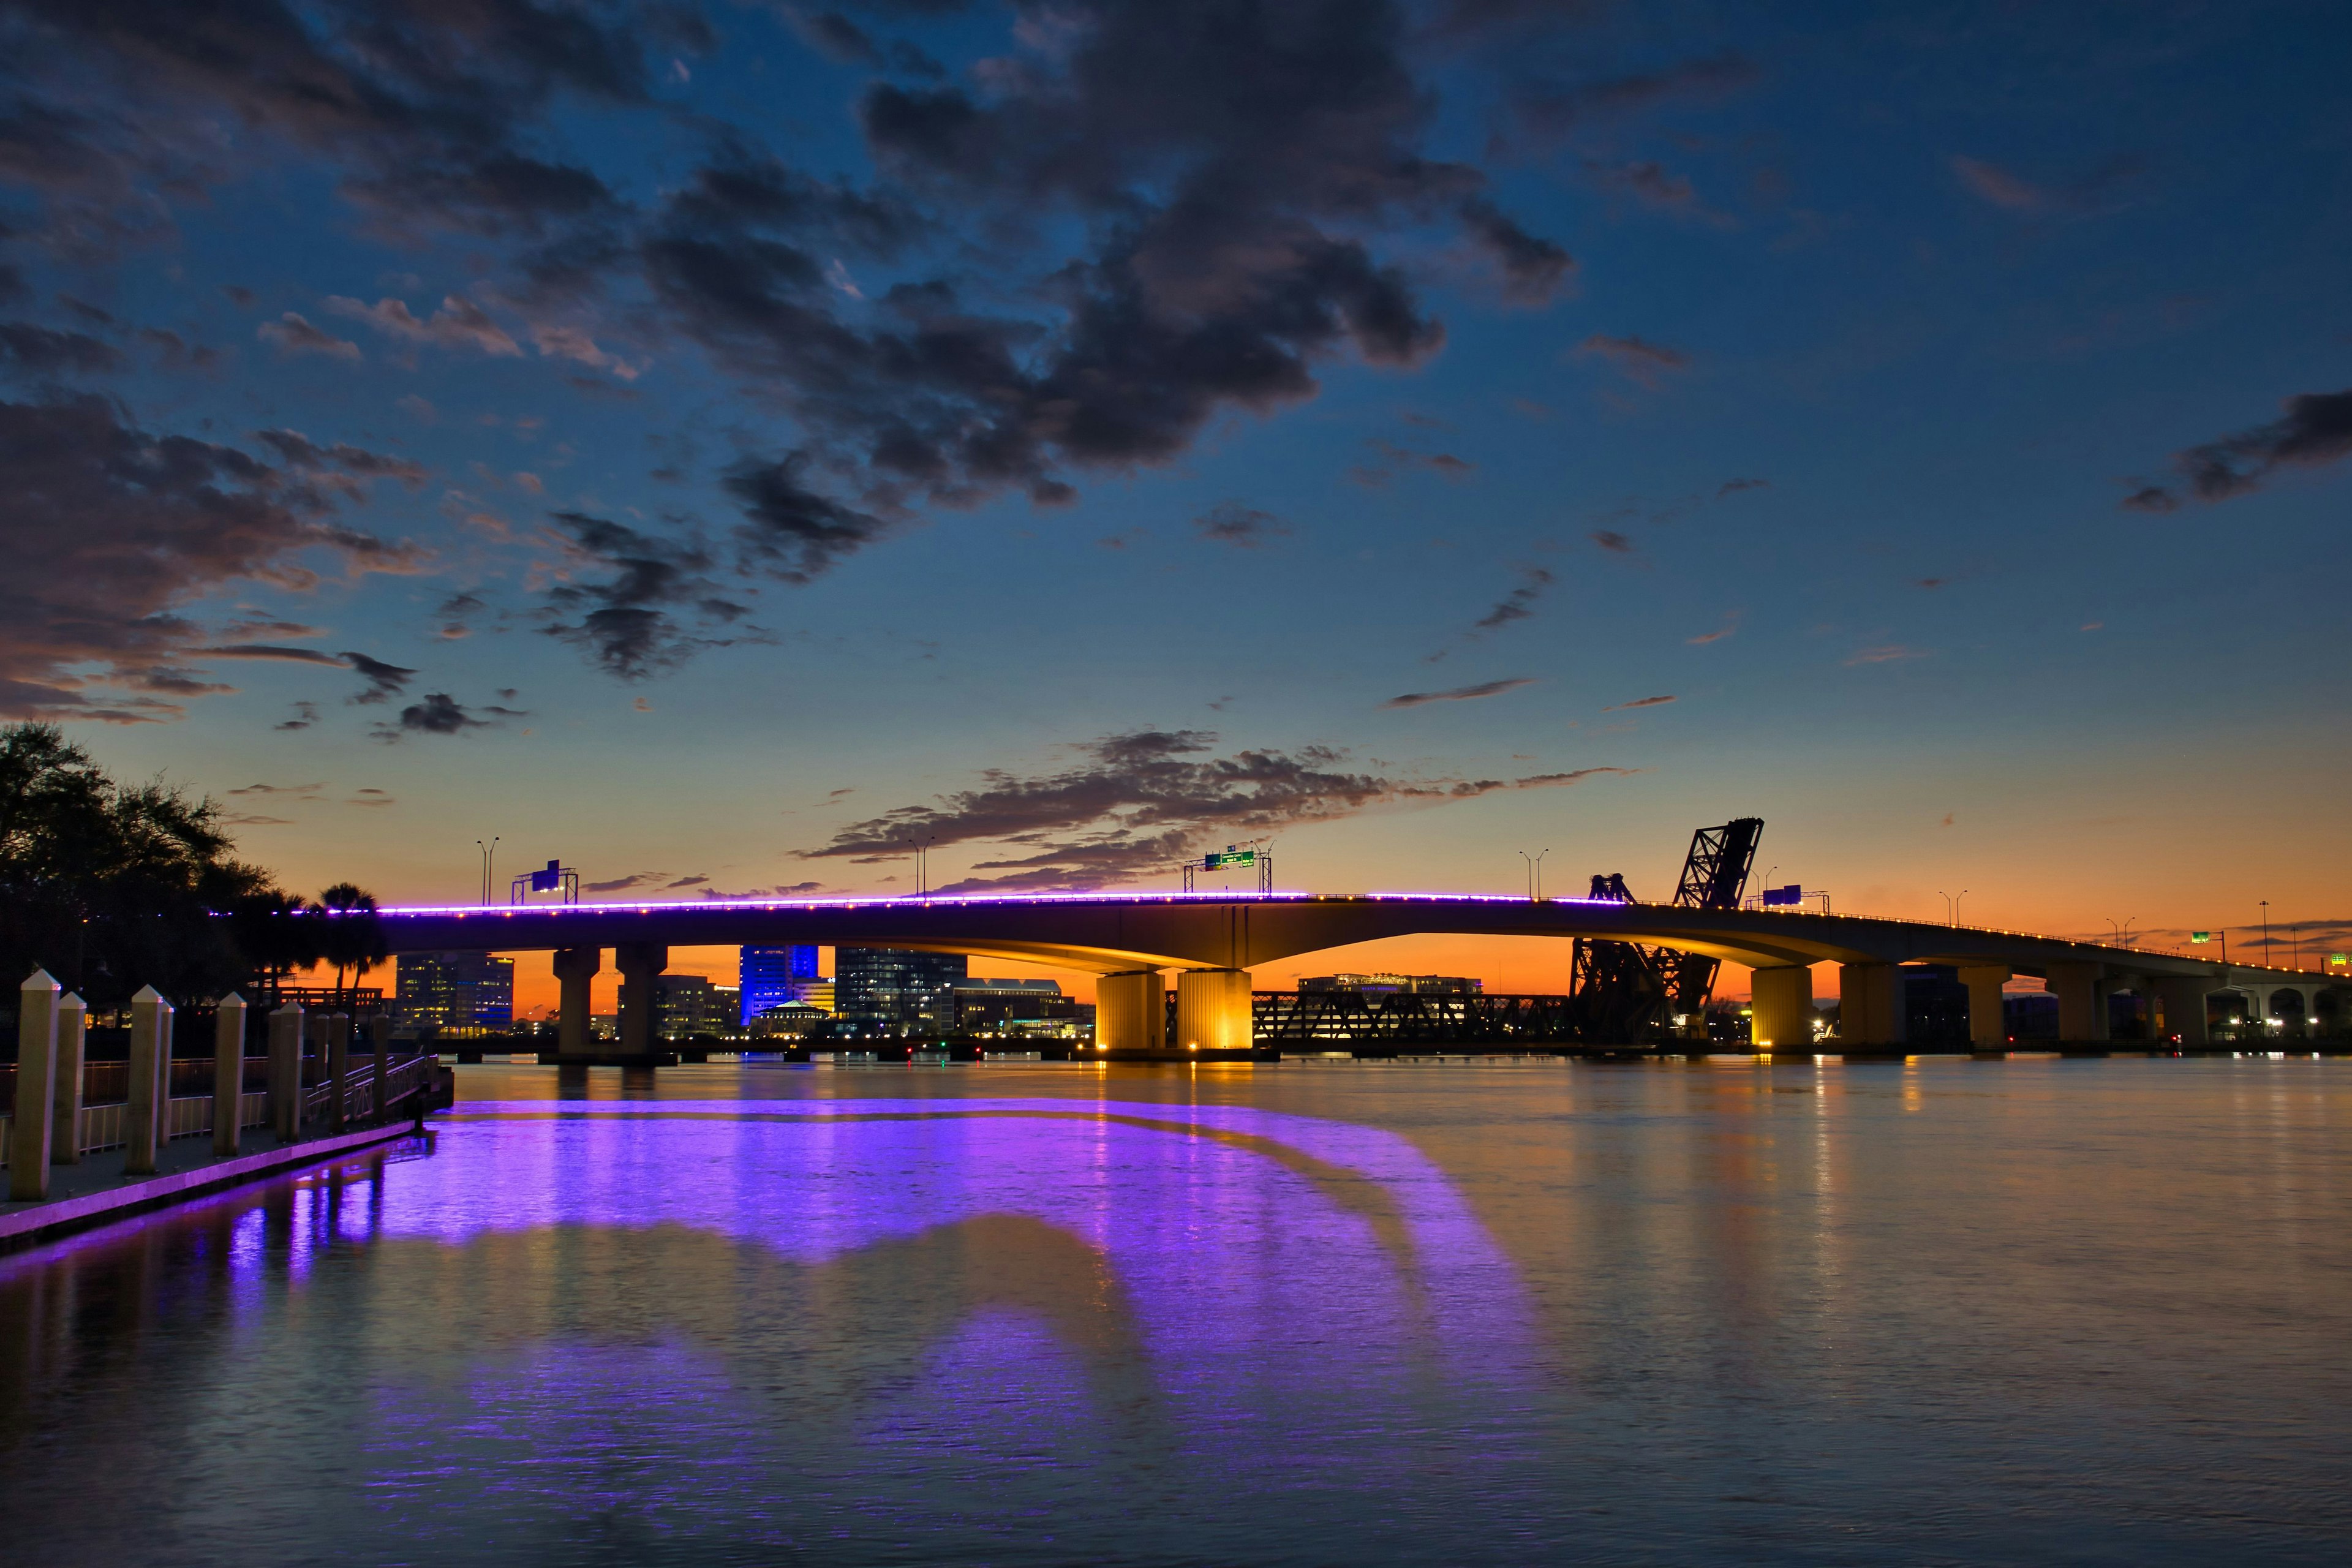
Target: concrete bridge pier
<point>641,964</point>
<point>2183,1000</point>
<point>2082,1001</point>
<point>575,968</point>
<point>1871,1008</point>
<point>1781,1008</point>
<point>1213,1010</point>
<point>1131,1012</point>
<point>1988,1028</point>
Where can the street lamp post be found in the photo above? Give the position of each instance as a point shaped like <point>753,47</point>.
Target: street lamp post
<point>1952,905</point>
<point>2267,955</point>
<point>2124,931</point>
<point>1535,874</point>
<point>490,861</point>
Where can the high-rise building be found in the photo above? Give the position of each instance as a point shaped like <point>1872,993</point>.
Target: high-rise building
<point>773,975</point>
<point>688,1004</point>
<point>453,992</point>
<point>984,1004</point>
<point>891,984</point>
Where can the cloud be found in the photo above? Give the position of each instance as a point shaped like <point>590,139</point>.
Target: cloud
<point>438,713</point>
<point>2154,499</point>
<point>41,350</point>
<point>1550,106</point>
<point>1519,602</point>
<point>1612,542</point>
<point>1374,475</point>
<point>341,463</point>
<point>371,798</point>
<point>1246,528</point>
<point>305,715</point>
<point>293,334</point>
<point>1731,624</point>
<point>110,530</point>
<point>1533,268</point>
<point>458,324</point>
<point>1637,358</point>
<point>1639,702</point>
<point>384,682</point>
<point>2315,429</point>
<point>1136,804</point>
<point>1885,653</point>
<point>2013,193</point>
<point>626,619</point>
<point>270,651</point>
<point>1734,486</point>
<point>1460,693</point>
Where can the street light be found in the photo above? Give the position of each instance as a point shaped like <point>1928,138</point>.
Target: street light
<point>2123,932</point>
<point>490,859</point>
<point>920,848</point>
<point>1535,874</point>
<point>2267,955</point>
<point>1952,905</point>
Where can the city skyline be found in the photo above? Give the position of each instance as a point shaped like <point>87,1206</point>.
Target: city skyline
<point>721,448</point>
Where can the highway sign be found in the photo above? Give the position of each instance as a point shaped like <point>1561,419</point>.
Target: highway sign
<point>1229,860</point>
<point>2200,936</point>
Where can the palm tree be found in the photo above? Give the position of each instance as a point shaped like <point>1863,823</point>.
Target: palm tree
<point>351,937</point>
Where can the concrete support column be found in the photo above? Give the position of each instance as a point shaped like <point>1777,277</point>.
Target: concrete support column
<point>2182,998</point>
<point>146,1120</point>
<point>1987,1030</point>
<point>228,1073</point>
<point>1781,1008</point>
<point>1871,1010</point>
<point>2310,994</point>
<point>1213,1010</point>
<point>641,964</point>
<point>339,1067</point>
<point>36,1066</point>
<point>575,968</point>
<point>1131,1012</point>
<point>286,1072</point>
<point>2082,1002</point>
<point>65,1100</point>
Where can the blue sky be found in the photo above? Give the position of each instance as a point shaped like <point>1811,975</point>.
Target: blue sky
<point>1796,365</point>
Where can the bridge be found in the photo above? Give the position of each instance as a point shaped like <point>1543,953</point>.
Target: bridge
<point>1213,941</point>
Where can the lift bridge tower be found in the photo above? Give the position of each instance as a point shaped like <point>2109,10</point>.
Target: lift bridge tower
<point>1625,992</point>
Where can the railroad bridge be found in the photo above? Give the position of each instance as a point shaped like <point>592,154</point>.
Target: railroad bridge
<point>1213,941</point>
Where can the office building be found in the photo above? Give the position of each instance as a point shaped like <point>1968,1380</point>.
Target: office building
<point>689,1004</point>
<point>772,975</point>
<point>454,993</point>
<point>991,1004</point>
<point>889,985</point>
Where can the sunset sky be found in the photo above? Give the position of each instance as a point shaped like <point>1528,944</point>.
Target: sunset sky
<point>713,444</point>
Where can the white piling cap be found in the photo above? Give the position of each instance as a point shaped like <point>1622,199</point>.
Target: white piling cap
<point>148,995</point>
<point>231,1000</point>
<point>71,1003</point>
<point>39,981</point>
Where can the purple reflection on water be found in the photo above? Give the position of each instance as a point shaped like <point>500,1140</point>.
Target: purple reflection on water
<point>1222,1223</point>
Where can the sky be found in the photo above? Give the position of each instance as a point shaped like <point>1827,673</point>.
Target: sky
<point>715,445</point>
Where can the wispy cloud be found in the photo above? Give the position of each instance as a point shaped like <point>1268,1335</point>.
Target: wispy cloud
<point>1638,703</point>
<point>1460,693</point>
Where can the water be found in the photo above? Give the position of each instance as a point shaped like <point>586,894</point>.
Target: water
<point>2028,1311</point>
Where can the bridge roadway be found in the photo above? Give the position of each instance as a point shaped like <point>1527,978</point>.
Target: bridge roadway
<point>1214,940</point>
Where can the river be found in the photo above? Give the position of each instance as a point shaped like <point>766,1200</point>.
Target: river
<point>2028,1311</point>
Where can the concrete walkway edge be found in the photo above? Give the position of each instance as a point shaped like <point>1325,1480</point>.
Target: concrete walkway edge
<point>37,1223</point>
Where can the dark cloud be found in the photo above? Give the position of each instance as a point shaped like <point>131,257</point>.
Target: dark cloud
<point>1519,602</point>
<point>791,531</point>
<point>1533,268</point>
<point>42,351</point>
<point>1637,358</point>
<point>109,530</point>
<point>1393,458</point>
<point>384,682</point>
<point>1734,486</point>
<point>1136,804</point>
<point>305,715</point>
<point>271,651</point>
<point>2314,430</point>
<point>837,39</point>
<point>1460,693</point>
<point>1245,527</point>
<point>628,620</point>
<point>1638,703</point>
<point>293,334</point>
<point>2093,192</point>
<point>340,464</point>
<point>2150,499</point>
<point>1613,542</point>
<point>1550,106</point>
<point>438,713</point>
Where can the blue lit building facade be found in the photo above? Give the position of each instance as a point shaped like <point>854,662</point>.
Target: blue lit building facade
<point>773,977</point>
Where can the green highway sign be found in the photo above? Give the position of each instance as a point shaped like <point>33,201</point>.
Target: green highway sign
<point>2200,936</point>
<point>2336,958</point>
<point>1229,860</point>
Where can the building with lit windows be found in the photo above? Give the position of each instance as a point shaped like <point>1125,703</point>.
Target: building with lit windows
<point>894,985</point>
<point>689,1004</point>
<point>773,975</point>
<point>454,993</point>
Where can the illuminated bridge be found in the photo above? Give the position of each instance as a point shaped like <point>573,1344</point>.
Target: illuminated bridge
<point>1213,941</point>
